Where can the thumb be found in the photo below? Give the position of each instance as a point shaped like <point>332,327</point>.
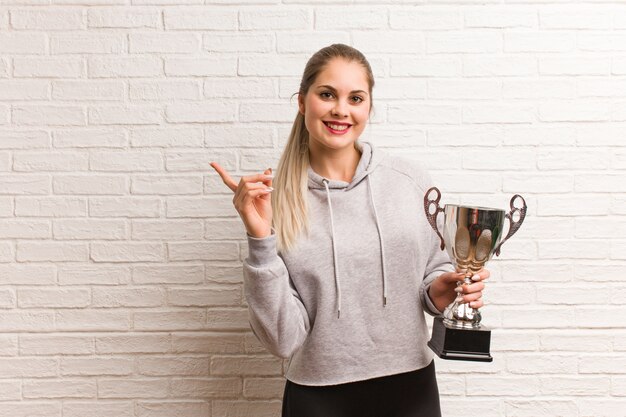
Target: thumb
<point>268,172</point>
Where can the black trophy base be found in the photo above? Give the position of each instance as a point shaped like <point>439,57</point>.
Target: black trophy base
<point>449,342</point>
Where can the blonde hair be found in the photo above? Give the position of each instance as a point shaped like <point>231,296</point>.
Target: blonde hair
<point>289,199</point>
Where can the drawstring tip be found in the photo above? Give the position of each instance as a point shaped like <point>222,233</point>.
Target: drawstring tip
<point>384,301</point>
<point>338,313</point>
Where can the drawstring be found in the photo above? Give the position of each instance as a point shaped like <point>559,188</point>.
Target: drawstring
<point>332,233</point>
<point>380,238</point>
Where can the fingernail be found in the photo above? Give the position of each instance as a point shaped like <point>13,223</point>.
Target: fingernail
<point>458,289</point>
<point>269,177</point>
<point>269,189</point>
<point>270,170</point>
<point>476,277</point>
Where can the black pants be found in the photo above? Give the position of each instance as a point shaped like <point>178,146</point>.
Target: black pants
<point>409,394</point>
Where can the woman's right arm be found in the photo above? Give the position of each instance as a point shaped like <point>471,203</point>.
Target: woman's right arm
<point>277,315</point>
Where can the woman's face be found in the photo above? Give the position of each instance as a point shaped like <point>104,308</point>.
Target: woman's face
<point>336,107</point>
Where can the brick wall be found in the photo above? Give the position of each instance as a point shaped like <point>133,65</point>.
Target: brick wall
<point>120,252</point>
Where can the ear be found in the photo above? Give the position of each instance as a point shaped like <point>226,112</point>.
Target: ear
<point>301,104</point>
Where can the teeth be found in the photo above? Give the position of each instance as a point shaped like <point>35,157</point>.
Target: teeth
<point>338,127</point>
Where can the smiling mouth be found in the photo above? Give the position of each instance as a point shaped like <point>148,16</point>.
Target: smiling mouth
<point>337,127</point>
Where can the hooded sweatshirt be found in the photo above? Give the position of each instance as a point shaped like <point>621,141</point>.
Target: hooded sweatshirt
<point>347,302</point>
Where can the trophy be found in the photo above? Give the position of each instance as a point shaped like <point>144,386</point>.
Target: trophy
<point>471,236</point>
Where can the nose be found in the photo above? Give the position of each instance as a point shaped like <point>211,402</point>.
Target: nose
<point>339,109</point>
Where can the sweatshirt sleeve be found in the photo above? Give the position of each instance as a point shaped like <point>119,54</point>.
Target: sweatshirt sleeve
<point>438,260</point>
<point>277,315</point>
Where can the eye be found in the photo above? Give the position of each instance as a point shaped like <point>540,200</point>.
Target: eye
<point>358,99</point>
<point>325,92</point>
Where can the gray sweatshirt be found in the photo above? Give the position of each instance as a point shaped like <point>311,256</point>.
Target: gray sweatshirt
<point>347,303</point>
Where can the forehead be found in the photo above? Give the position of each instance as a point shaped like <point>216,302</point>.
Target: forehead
<point>343,75</point>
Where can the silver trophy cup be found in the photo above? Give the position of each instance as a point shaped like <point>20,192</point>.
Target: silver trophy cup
<point>471,235</point>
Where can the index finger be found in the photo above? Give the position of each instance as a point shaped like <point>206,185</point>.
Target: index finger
<point>225,177</point>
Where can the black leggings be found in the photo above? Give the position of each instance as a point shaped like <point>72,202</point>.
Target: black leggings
<point>409,394</point>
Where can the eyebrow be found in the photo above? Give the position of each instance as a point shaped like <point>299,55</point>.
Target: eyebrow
<point>332,88</point>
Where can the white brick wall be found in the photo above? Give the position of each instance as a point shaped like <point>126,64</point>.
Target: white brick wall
<point>120,252</point>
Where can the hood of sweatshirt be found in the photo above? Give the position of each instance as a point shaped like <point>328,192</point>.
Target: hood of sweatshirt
<point>370,159</point>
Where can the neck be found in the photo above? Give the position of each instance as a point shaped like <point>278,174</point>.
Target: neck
<point>334,164</point>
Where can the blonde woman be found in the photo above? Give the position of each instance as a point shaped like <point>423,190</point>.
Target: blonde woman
<point>342,262</point>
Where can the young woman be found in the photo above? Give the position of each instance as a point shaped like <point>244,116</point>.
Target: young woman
<point>342,262</point>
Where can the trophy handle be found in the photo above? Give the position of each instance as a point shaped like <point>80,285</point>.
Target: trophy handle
<point>432,218</point>
<point>513,225</point>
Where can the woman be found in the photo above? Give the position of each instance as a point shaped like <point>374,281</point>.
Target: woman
<point>342,262</point>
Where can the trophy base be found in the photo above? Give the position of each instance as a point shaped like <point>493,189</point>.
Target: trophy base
<point>450,342</point>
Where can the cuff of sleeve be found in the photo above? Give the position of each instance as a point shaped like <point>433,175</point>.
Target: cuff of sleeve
<point>261,251</point>
<point>429,303</point>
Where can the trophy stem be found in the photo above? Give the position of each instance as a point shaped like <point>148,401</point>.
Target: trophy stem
<point>461,315</point>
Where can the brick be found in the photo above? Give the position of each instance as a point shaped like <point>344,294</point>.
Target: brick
<point>463,42</point>
<point>189,319</point>
<point>490,385</point>
<point>100,90</point>
<point>25,229</point>
<point>8,347</point>
<point>157,230</point>
<point>490,66</point>
<point>275,19</point>
<point>575,342</point>
<point>51,252</point>
<point>90,138</point>
<point>200,18</point>
<point>598,42</point>
<point>228,319</point>
<point>135,17</point>
<point>601,364</point>
<point>133,343</point>
<point>207,387</point>
<point>239,87</point>
<point>66,67</point>
<point>101,408</point>
<point>129,67</point>
<point>239,41</point>
<point>213,342</point>
<point>206,251</point>
<point>132,388</point>
<point>24,90</point>
<point>48,20</point>
<point>574,386</point>
<point>426,18</point>
<point>271,65</point>
<point>224,229</point>
<point>53,298</point>
<point>124,207</point>
<point>124,115</point>
<point>167,137</point>
<point>168,274</point>
<point>7,298</point>
<point>578,159</point>
<point>10,390</point>
<point>243,365</point>
<point>573,205</point>
<point>560,17</point>
<point>167,43</point>
<point>236,135</point>
<point>539,42</point>
<point>164,90</point>
<point>125,161</point>
<point>53,115</point>
<point>56,345</point>
<point>23,43</point>
<point>28,367</point>
<point>212,296</point>
<point>92,319</point>
<point>166,185</point>
<point>89,184</point>
<point>464,89</point>
<point>508,113</point>
<point>302,42</point>
<point>199,161</point>
<point>24,140</point>
<point>506,16</point>
<point>542,364</point>
<point>413,42</point>
<point>89,366</point>
<point>201,66</point>
<point>48,161</point>
<point>169,366</point>
<point>65,388</point>
<point>538,408</point>
<point>201,207</point>
<point>128,297</point>
<point>32,409</point>
<point>88,43</point>
<point>171,408</point>
<point>418,113</point>
<point>16,274</point>
<point>260,388</point>
<point>531,89</point>
<point>94,274</point>
<point>408,65</point>
<point>201,113</point>
<point>127,252</point>
<point>574,65</point>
